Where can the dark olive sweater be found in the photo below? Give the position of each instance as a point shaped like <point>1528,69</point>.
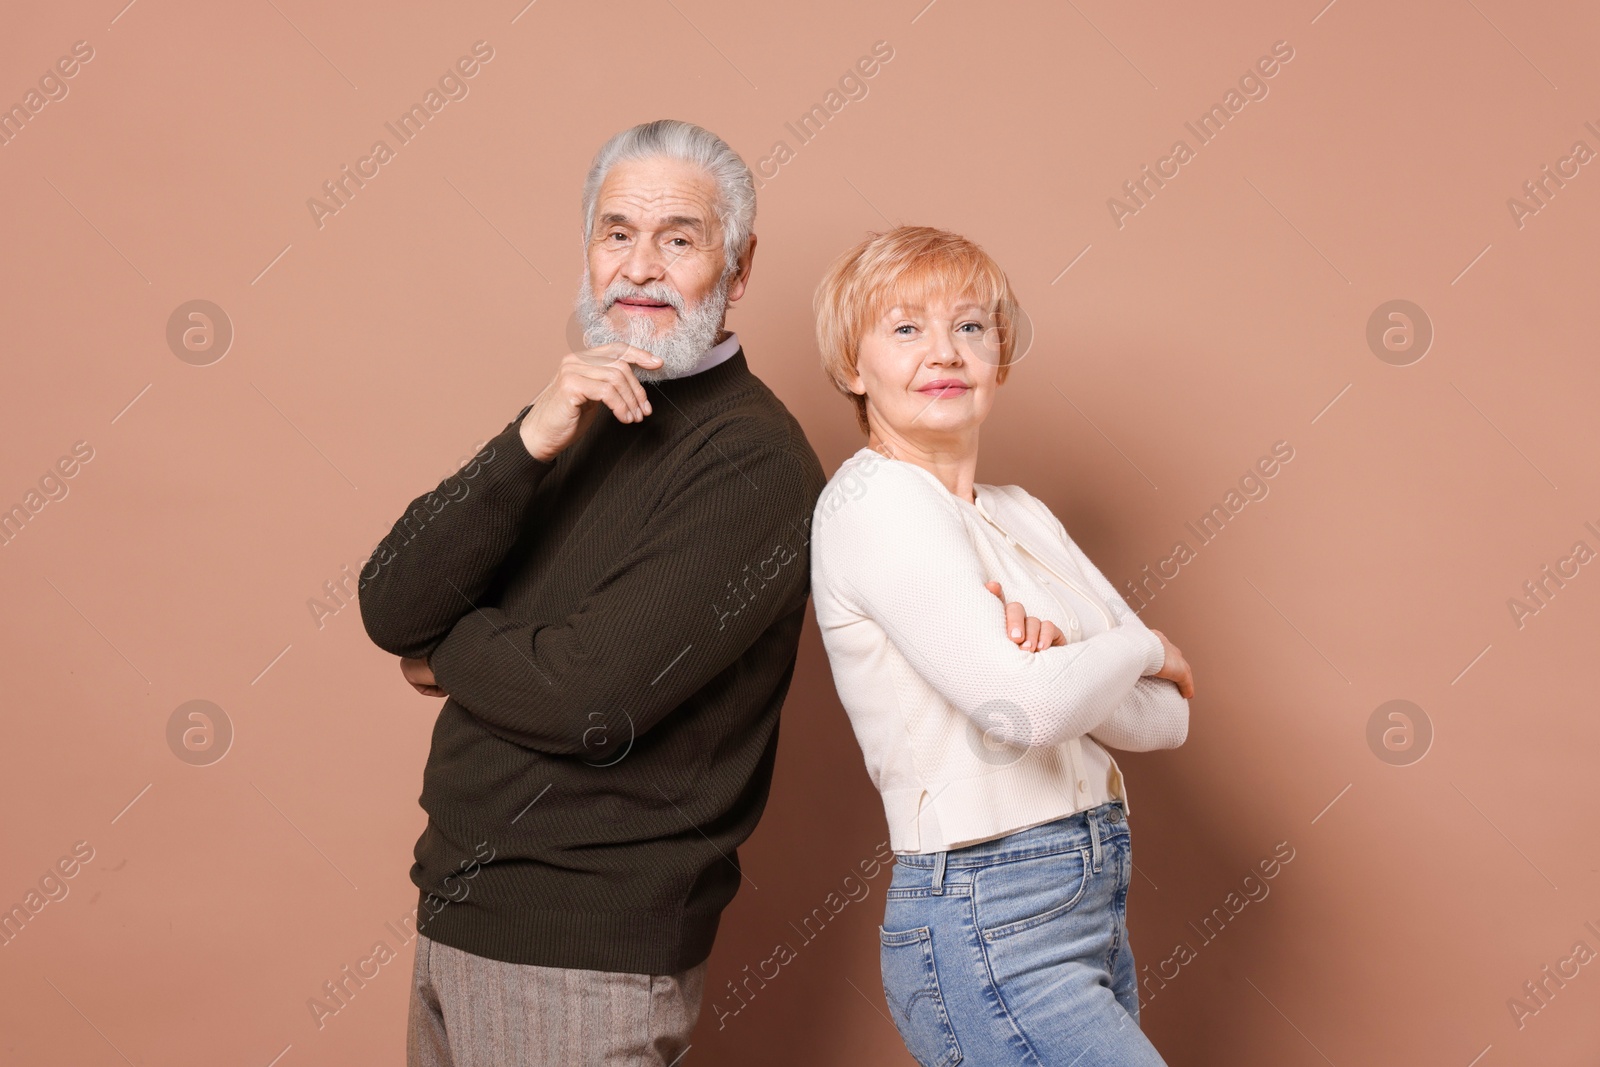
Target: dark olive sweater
<point>616,630</point>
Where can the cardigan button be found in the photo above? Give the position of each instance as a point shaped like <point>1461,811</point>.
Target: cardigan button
<point>1083,786</point>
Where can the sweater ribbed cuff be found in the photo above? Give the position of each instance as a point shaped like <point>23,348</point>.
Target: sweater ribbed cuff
<point>510,460</point>
<point>1155,653</point>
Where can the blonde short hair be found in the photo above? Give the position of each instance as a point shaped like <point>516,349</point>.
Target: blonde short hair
<point>905,266</point>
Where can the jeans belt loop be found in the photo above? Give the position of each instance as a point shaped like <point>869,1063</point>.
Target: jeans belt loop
<point>938,873</point>
<point>1094,837</point>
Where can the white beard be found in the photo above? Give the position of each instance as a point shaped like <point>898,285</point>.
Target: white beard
<point>680,348</point>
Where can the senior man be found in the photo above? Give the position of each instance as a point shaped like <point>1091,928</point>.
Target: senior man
<point>610,597</point>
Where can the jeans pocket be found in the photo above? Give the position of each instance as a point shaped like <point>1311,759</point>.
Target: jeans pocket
<point>911,987</point>
<point>1021,894</point>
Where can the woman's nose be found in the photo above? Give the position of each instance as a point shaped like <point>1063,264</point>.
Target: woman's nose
<point>944,352</point>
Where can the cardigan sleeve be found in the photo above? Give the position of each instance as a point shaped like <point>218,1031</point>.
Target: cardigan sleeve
<point>898,553</point>
<point>1153,716</point>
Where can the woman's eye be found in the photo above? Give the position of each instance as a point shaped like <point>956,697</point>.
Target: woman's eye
<point>904,326</point>
<point>975,325</point>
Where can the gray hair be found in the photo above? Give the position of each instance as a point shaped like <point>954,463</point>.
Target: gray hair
<point>736,207</point>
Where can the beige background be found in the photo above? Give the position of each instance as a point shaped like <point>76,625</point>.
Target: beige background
<point>372,353</point>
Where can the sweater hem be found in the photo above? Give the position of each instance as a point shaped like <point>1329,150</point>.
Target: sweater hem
<point>984,806</point>
<point>632,942</point>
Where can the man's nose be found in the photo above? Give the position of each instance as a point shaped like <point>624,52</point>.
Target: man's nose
<point>644,263</point>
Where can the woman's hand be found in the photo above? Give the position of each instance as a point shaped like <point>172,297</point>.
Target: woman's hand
<point>415,670</point>
<point>1030,633</point>
<point>1175,668</point>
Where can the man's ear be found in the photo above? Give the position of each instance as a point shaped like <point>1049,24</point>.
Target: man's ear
<point>746,262</point>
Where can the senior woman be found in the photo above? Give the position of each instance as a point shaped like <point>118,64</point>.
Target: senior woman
<point>986,666</point>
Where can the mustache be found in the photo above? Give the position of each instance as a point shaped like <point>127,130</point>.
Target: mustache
<point>654,291</point>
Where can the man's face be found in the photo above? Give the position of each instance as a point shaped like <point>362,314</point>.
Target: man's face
<point>655,226</point>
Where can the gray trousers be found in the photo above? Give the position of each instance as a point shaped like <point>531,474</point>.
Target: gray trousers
<point>468,1011</point>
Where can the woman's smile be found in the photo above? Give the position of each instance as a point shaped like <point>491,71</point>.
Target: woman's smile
<point>944,389</point>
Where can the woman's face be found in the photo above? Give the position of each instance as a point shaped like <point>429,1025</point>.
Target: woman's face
<point>929,373</point>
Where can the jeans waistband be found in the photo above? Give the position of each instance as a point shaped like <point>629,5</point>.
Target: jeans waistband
<point>1088,827</point>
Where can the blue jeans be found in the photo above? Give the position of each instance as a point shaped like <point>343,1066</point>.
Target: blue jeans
<point>1015,951</point>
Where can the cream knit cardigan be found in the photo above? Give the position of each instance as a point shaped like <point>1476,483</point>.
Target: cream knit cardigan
<point>966,736</point>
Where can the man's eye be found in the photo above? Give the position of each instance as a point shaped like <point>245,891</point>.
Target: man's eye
<point>682,242</point>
